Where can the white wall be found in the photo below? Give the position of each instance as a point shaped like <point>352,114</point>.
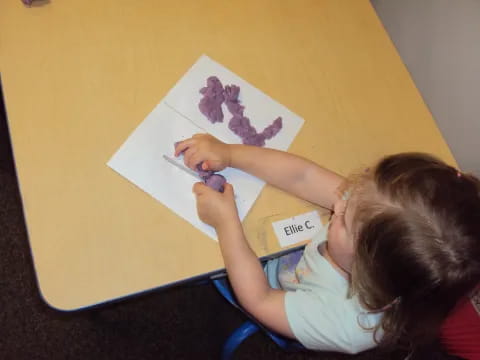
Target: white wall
<point>439,41</point>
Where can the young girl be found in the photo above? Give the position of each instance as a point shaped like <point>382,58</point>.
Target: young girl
<point>402,246</point>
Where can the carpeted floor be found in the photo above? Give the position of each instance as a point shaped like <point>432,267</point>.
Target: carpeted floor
<point>185,322</point>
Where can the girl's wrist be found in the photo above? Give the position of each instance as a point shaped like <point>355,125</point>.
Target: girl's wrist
<point>228,151</point>
<point>228,225</point>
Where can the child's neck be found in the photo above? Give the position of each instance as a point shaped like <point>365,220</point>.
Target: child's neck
<point>323,249</point>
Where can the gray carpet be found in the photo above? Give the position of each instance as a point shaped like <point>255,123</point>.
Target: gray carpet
<point>190,321</point>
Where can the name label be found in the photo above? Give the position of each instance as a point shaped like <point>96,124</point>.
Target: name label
<point>298,228</point>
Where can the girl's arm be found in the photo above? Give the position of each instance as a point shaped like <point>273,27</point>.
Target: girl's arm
<point>249,281</point>
<point>291,173</point>
<point>244,269</point>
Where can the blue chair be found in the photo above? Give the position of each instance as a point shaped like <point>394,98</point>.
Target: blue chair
<point>248,328</point>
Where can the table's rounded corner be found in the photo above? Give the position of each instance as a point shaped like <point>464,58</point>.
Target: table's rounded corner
<point>51,303</point>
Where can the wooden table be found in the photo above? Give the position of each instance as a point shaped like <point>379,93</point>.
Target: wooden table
<point>79,76</point>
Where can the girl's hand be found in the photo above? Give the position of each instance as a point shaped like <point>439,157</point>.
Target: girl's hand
<point>213,207</point>
<point>204,148</point>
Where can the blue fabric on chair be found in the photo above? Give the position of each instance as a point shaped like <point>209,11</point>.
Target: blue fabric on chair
<point>249,327</point>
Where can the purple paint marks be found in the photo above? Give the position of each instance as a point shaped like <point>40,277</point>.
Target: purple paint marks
<point>211,103</point>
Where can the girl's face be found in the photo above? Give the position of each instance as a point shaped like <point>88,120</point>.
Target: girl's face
<point>340,238</point>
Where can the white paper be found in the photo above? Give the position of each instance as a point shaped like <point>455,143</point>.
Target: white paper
<point>298,228</point>
<point>177,117</point>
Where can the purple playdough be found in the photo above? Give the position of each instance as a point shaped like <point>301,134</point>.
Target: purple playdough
<point>216,182</point>
<point>211,103</point>
<point>250,137</point>
<point>204,174</point>
<point>241,126</point>
<point>271,130</point>
<point>231,100</point>
<point>211,106</point>
<point>212,180</point>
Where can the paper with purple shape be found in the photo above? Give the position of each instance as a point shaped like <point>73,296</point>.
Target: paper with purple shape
<point>178,117</point>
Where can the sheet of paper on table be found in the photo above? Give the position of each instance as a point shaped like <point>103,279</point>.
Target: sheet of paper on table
<point>177,117</point>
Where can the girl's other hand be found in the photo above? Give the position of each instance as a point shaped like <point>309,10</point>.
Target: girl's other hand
<point>213,207</point>
<point>206,149</point>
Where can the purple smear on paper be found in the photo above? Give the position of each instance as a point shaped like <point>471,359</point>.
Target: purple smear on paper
<point>27,2</point>
<point>216,182</point>
<point>211,103</point>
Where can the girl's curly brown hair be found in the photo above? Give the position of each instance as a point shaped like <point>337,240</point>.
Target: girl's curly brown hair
<point>417,237</point>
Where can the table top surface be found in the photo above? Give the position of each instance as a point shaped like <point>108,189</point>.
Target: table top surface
<point>79,76</point>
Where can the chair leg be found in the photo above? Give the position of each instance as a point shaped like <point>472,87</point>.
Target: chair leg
<point>237,337</point>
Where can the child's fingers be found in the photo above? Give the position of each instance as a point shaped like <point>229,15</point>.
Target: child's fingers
<point>196,159</point>
<point>214,165</point>
<point>199,135</point>
<point>199,188</point>
<point>187,158</point>
<point>228,190</point>
<point>183,146</point>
